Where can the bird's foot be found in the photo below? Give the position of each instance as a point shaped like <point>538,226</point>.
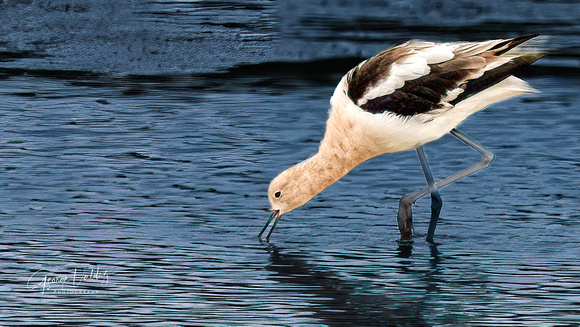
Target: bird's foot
<point>405,219</point>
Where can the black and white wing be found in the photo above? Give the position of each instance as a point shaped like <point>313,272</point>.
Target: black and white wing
<point>419,77</point>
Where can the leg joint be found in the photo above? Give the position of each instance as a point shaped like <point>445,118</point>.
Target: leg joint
<point>487,157</point>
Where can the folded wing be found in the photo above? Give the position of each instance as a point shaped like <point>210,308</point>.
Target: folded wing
<point>419,77</point>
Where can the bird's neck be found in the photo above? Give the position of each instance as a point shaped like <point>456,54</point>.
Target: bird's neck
<point>341,150</point>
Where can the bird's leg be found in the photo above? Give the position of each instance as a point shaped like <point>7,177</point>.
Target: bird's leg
<point>436,202</point>
<point>404,215</point>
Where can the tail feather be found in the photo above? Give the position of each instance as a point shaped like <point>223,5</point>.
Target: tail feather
<point>507,45</point>
<point>498,74</point>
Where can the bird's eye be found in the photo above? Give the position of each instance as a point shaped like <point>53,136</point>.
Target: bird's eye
<point>278,194</point>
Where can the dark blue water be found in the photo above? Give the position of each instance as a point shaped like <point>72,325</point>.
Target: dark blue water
<point>132,188</point>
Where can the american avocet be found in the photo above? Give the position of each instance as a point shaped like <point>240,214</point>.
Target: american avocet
<point>400,99</point>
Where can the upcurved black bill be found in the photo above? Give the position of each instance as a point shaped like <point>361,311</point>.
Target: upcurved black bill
<point>274,216</point>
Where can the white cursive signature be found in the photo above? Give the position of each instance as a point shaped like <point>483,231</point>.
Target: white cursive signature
<point>43,281</point>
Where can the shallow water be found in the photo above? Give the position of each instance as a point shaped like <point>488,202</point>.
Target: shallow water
<point>136,200</point>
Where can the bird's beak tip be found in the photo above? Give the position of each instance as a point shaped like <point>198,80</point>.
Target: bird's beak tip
<point>275,215</point>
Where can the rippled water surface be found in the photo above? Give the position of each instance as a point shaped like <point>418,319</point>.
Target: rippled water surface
<point>136,199</point>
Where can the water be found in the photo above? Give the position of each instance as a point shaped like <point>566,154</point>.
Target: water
<point>132,193</point>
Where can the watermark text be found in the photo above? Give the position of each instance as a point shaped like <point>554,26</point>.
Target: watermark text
<point>78,281</point>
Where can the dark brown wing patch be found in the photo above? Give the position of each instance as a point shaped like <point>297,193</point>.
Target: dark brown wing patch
<point>425,93</point>
<point>372,71</point>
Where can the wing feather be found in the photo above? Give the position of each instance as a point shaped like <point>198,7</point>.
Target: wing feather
<point>418,77</point>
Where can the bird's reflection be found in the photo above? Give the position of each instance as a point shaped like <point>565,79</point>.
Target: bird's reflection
<point>405,249</point>
<point>343,301</point>
<point>435,256</point>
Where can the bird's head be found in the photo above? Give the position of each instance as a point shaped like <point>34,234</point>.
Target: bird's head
<point>289,190</point>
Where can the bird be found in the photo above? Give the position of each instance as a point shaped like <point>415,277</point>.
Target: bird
<point>400,99</point>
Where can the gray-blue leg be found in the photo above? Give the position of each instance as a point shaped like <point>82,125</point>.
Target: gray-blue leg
<point>436,201</point>
<point>404,215</point>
